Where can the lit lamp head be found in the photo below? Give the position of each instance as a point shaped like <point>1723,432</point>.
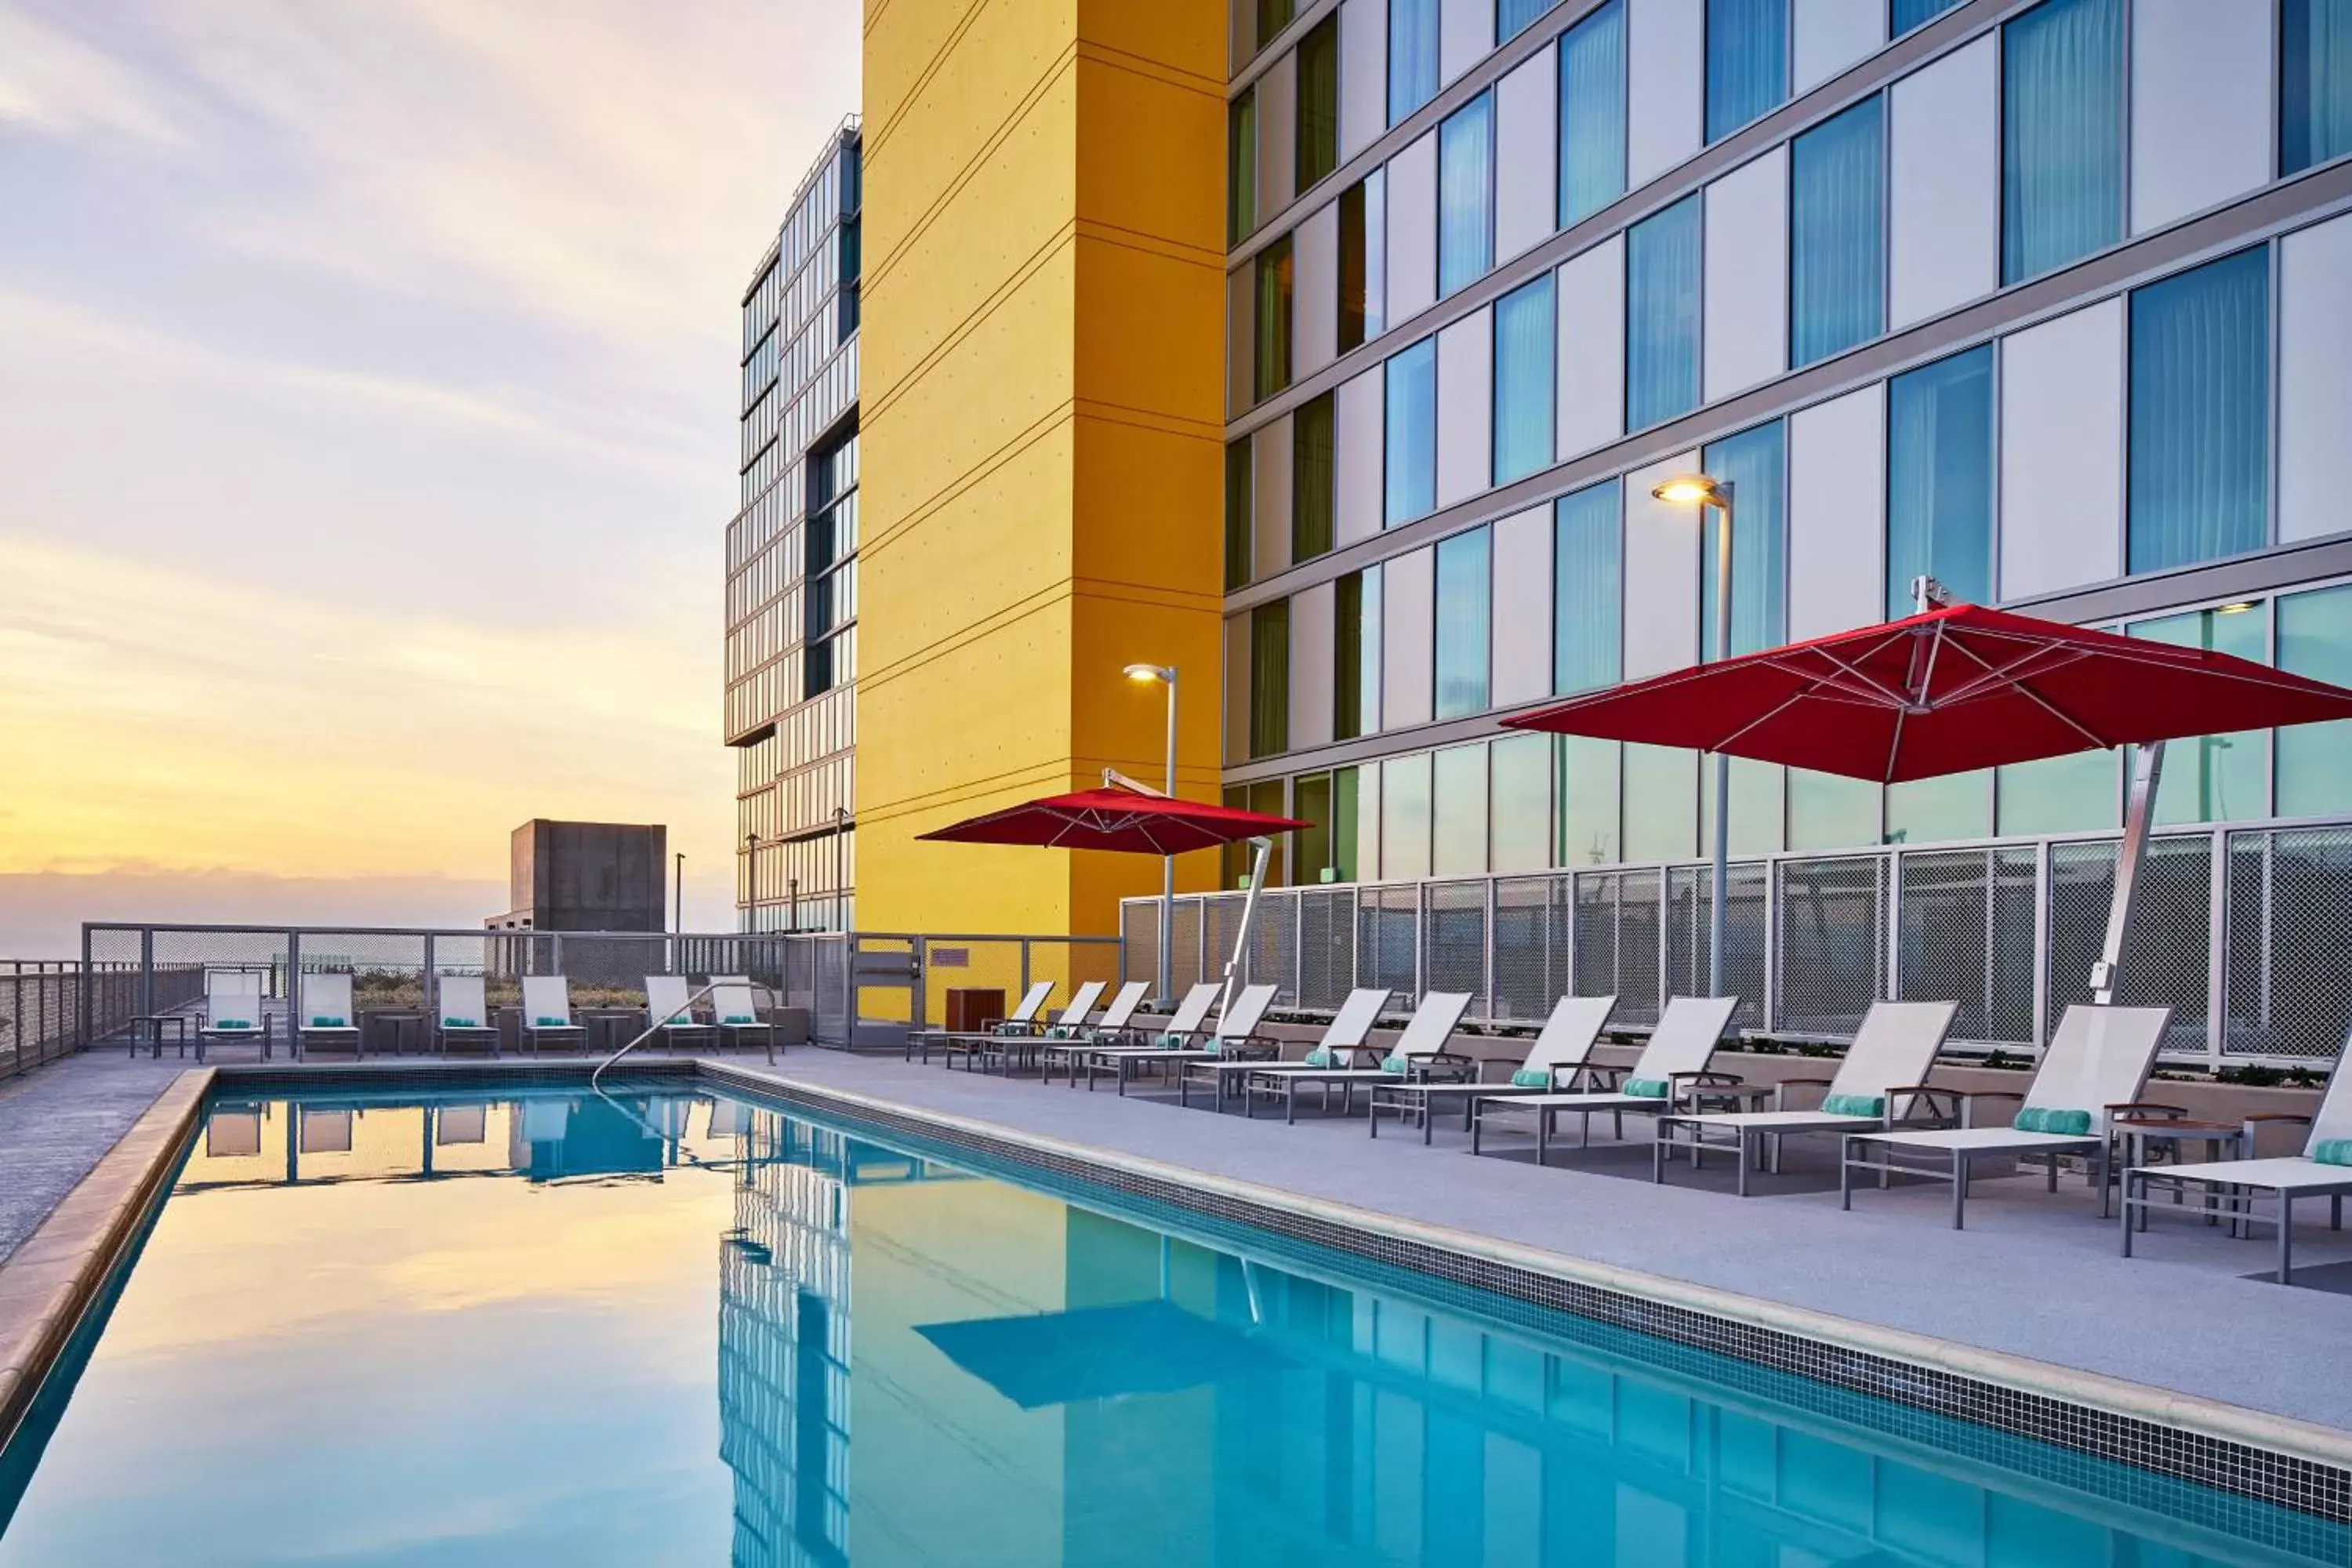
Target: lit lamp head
<point>1692,490</point>
<point>1145,672</point>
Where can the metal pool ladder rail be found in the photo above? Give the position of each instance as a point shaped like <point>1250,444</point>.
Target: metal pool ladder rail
<point>653,1026</point>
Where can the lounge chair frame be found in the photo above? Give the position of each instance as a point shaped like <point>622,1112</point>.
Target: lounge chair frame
<point>1421,1044</point>
<point>1349,1028</point>
<point>1691,1030</point>
<point>1563,1049</point>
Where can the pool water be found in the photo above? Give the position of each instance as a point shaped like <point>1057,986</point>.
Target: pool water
<point>550,1328</point>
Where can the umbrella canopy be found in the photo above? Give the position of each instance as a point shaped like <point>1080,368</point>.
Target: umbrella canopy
<point>1114,818</point>
<point>1947,691</point>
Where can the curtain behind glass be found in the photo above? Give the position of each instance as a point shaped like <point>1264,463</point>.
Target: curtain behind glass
<point>1588,589</point>
<point>1910,14</point>
<point>1412,454</point>
<point>1273,284</point>
<point>1524,342</point>
<point>1662,285</point>
<point>1512,17</point>
<point>1317,152</point>
<point>1241,167</point>
<point>2199,414</point>
<point>1837,227</point>
<point>1270,679</point>
<point>2315,82</point>
<point>1313,493</point>
<point>2061,186</point>
<point>1466,192</point>
<point>1412,56</point>
<point>1239,496</point>
<point>1592,113</point>
<point>1465,595</point>
<point>1939,479</point>
<point>1754,462</point>
<point>1746,62</point>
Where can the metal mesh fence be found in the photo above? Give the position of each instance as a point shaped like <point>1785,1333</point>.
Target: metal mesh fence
<point>1454,941</point>
<point>2168,957</point>
<point>1830,942</point>
<point>2288,987</point>
<point>1388,929</point>
<point>1139,927</point>
<point>1274,947</point>
<point>1619,944</point>
<point>1533,924</point>
<point>1326,947</point>
<point>1745,960</point>
<point>1184,957</point>
<point>1966,934</point>
<point>1220,923</point>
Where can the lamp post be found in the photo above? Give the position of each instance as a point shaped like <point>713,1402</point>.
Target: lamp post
<point>750,878</point>
<point>677,894</point>
<point>1165,675</point>
<point>1704,491</point>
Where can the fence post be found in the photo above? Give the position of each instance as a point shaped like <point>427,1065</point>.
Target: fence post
<point>146,971</point>
<point>2217,954</point>
<point>2041,927</point>
<point>1493,905</point>
<point>1771,901</point>
<point>428,983</point>
<point>555,954</point>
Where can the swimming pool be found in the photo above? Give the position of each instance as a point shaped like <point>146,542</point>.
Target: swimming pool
<point>525,1326</point>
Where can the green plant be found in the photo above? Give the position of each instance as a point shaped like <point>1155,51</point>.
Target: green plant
<point>2002,1061</point>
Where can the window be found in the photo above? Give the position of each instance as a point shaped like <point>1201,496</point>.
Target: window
<point>1270,729</point>
<point>1939,484</point>
<point>1588,787</point>
<point>1465,195</point>
<point>1746,62</point>
<point>2315,82</point>
<point>1592,113</point>
<point>1363,261</point>
<point>1753,463</point>
<point>1837,233</point>
<point>2214,778</point>
<point>1314,479</point>
<point>1524,346</point>
<point>2198,484</point>
<point>1519,818</point>
<point>1513,17</point>
<point>1317,150</point>
<point>1412,434</point>
<point>2314,761</point>
<point>1588,589</point>
<point>1354,852</point>
<point>2061,137</point>
<point>1465,581</point>
<point>1234,859</point>
<point>1412,56</point>
<point>1828,811</point>
<point>1273,16</point>
<point>1356,655</point>
<point>1929,811</point>
<point>1273,312</point>
<point>1458,811</point>
<point>1910,14</point>
<point>1239,508</point>
<point>1661,802</point>
<point>2075,794</point>
<point>1310,802</point>
<point>1756,805</point>
<point>1662,315</point>
<point>1404,817</point>
<point>1241,167</point>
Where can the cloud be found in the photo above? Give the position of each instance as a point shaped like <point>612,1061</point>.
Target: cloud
<point>54,84</point>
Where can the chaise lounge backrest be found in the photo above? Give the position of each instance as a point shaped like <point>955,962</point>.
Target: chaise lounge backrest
<point>668,1001</point>
<point>462,1006</point>
<point>1683,1041</point>
<point>1568,1036</point>
<point>1241,1020</point>
<point>2097,1057</point>
<point>326,1001</point>
<point>1893,1048</point>
<point>1192,1012</point>
<point>1431,1025</point>
<point>1072,1016</point>
<point>546,1002</point>
<point>1122,1008</point>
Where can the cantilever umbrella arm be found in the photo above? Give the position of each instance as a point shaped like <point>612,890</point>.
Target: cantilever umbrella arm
<point>2131,858</point>
<point>1264,848</point>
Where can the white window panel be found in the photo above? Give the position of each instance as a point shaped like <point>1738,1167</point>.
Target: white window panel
<point>1465,408</point>
<point>1315,307</point>
<point>1837,513</point>
<point>1465,33</point>
<point>1660,573</point>
<point>1408,625</point>
<point>1526,153</point>
<point>1522,607</point>
<point>1943,184</point>
<point>1357,419</point>
<point>1363,74</point>
<point>2061,452</point>
<point>2314,379</point>
<point>1665,83</point>
<point>1591,358</point>
<point>1830,35</point>
<point>1313,625</point>
<point>1744,321</point>
<point>1270,472</point>
<point>1412,231</point>
<point>2201,96</point>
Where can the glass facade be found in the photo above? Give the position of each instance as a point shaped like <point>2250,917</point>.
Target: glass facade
<point>2200,414</point>
<point>1356,655</point>
<point>1364,260</point>
<point>2214,778</point>
<point>1412,56</point>
<point>2080,794</point>
<point>1275,282</point>
<point>1910,14</point>
<point>2315,82</point>
<point>2314,761</point>
<point>1662,305</point>
<point>1241,167</point>
<point>1241,506</point>
<point>1829,811</point>
<point>1755,464</point>
<point>1588,786</point>
<point>1405,817</point>
<point>2061,185</point>
<point>1837,233</point>
<point>1458,811</point>
<point>1524,343</point>
<point>1661,801</point>
<point>1592,113</point>
<point>1465,195</point>
<point>1939,479</point>
<point>1587,561</point>
<point>1315,145</point>
<point>1746,62</point>
<point>1513,17</point>
<point>1313,495</point>
<point>1411,438</point>
<point>1463,615</point>
<point>1519,818</point>
<point>1270,729</point>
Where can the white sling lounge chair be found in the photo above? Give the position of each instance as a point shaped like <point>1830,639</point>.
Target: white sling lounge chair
<point>669,1012</point>
<point>463,1015</point>
<point>1106,1031</point>
<point>325,1016</point>
<point>1020,1021</point>
<point>1665,1078</point>
<point>1021,1049</point>
<point>2096,1064</point>
<point>1882,1079</point>
<point>1186,1029</point>
<point>1235,1038</point>
<point>1419,1054</point>
<point>1344,1039</point>
<point>547,1014</point>
<point>2324,1170</point>
<point>232,1011</point>
<point>735,1010</point>
<point>1559,1060</point>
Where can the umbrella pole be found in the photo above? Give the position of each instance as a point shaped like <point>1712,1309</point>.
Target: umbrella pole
<point>2147,771</point>
<point>1249,917</point>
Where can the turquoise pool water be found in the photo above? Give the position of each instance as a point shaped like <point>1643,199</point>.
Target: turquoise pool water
<point>544,1328</point>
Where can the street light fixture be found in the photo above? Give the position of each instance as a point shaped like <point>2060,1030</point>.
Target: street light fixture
<point>1704,491</point>
<point>1165,675</point>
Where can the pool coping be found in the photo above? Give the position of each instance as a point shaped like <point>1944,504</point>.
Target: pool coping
<point>2299,1465</point>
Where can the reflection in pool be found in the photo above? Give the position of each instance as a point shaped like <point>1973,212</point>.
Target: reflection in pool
<point>548,1328</point>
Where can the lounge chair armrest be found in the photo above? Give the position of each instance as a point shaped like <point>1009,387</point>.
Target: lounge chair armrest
<point>2141,1108</point>
<point>1806,1082</point>
<point>1943,1104</point>
<point>2303,1117</point>
<point>2016,1094</point>
<point>1707,1079</point>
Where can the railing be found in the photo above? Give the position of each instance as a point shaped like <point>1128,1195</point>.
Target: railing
<point>49,1007</point>
<point>2240,930</point>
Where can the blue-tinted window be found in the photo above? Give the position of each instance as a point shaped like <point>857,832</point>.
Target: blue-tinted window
<point>1754,464</point>
<point>1465,577</point>
<point>2315,82</point>
<point>1465,195</point>
<point>2314,761</point>
<point>1512,17</point>
<point>1405,817</point>
<point>1910,14</point>
<point>2200,414</point>
<point>1524,347</point>
<point>2214,778</point>
<point>1837,233</point>
<point>1458,811</point>
<point>1587,562</point>
<point>1661,284</point>
<point>1939,479</point>
<point>1592,113</point>
<point>1590,788</point>
<point>1412,435</point>
<point>1746,62</point>
<point>1412,56</point>
<point>2062,139</point>
<point>1519,822</point>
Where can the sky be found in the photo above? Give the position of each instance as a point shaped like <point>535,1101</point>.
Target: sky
<point>367,399</point>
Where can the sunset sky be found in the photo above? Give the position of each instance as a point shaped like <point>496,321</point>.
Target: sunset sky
<point>366,437</point>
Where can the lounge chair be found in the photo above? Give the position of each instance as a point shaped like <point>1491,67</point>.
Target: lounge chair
<point>735,1008</point>
<point>1020,1048</point>
<point>547,1014</point>
<point>232,1131</point>
<point>464,1014</point>
<point>1418,1055</point>
<point>1560,1061</point>
<point>1344,1039</point>
<point>669,1014</point>
<point>1105,1032</point>
<point>1669,1075</point>
<point>233,1011</point>
<point>2096,1064</point>
<point>1187,1030</point>
<point>1882,1080</point>
<point>2324,1170</point>
<point>325,1016</point>
<point>1021,1020</point>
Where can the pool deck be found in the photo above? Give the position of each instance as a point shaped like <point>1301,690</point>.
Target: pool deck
<point>2033,1276</point>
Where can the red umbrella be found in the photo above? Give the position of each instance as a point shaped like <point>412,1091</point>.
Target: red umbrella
<point>1946,692</point>
<point>1115,818</point>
